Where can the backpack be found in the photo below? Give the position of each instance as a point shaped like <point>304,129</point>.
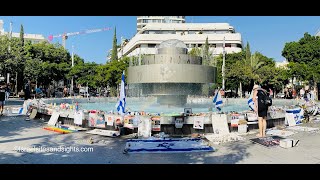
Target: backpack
<point>266,99</point>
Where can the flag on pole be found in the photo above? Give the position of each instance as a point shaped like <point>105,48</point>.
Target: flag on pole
<point>121,105</point>
<point>217,100</point>
<point>250,102</point>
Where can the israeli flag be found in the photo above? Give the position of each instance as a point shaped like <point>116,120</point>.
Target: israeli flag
<point>121,105</point>
<point>298,114</point>
<point>250,102</point>
<point>217,100</point>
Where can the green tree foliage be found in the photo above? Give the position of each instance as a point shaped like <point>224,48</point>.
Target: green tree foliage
<point>54,62</point>
<point>303,57</point>
<point>114,54</point>
<point>21,35</point>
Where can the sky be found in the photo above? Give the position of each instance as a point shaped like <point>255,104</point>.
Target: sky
<point>265,34</point>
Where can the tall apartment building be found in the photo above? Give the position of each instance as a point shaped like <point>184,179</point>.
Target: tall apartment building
<point>192,34</point>
<point>142,21</point>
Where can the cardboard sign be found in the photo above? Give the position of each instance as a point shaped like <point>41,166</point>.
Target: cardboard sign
<point>100,122</point>
<point>110,120</point>
<point>156,126</point>
<point>198,122</point>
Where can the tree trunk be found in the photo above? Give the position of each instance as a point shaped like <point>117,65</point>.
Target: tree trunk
<point>240,90</point>
<point>315,90</point>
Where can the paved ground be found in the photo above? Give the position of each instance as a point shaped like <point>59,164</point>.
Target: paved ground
<point>16,132</point>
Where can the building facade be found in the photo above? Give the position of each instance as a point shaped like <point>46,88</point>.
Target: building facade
<point>34,38</point>
<point>192,34</point>
<point>142,21</point>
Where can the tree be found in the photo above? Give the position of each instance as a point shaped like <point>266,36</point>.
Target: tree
<point>248,52</point>
<point>21,35</point>
<point>304,58</point>
<point>55,62</point>
<point>114,54</point>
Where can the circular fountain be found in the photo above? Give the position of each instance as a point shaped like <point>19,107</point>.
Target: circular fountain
<point>170,75</point>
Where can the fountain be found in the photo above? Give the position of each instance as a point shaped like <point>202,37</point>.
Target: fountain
<point>170,75</point>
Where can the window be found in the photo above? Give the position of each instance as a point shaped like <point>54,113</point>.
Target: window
<point>228,45</point>
<point>151,45</point>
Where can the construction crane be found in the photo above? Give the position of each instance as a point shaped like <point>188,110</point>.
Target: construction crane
<point>66,35</point>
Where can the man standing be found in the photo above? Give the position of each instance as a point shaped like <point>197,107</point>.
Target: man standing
<point>2,98</point>
<point>7,89</point>
<point>27,90</point>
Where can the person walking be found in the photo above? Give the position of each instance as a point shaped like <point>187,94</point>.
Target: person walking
<point>2,98</point>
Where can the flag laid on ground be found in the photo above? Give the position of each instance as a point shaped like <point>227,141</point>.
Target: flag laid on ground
<point>217,100</point>
<point>121,105</point>
<point>250,102</point>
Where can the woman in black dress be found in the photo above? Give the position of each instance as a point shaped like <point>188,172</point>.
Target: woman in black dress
<point>260,108</point>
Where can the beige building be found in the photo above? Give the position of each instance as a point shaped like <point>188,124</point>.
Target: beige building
<point>34,38</point>
<point>192,34</point>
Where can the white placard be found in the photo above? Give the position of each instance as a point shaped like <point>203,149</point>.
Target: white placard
<point>78,115</point>
<point>289,117</point>
<point>54,118</point>
<point>144,127</point>
<point>220,124</point>
<point>198,122</point>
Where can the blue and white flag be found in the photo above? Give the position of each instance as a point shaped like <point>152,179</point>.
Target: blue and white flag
<point>298,114</point>
<point>217,100</point>
<point>121,105</point>
<point>250,102</point>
